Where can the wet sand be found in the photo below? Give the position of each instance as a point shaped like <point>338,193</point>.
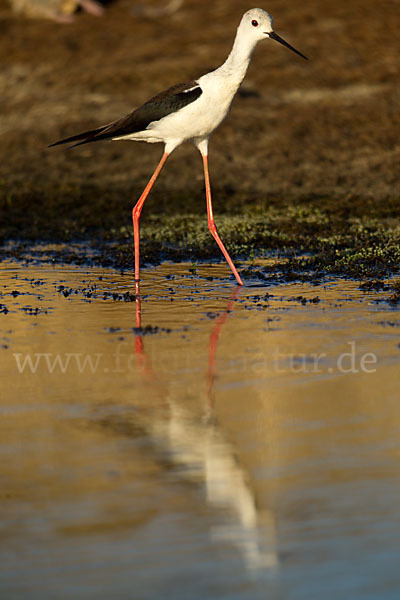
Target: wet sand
<point>212,442</point>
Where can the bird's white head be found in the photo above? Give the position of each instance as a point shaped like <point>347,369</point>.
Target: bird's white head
<point>257,24</point>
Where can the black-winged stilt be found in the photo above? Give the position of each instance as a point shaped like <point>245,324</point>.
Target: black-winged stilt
<point>189,112</point>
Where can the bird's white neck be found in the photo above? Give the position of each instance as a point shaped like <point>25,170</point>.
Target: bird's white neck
<point>238,61</point>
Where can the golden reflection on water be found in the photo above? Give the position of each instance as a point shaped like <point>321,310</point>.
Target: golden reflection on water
<point>258,424</point>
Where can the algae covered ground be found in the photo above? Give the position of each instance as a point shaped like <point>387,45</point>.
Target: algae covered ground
<point>304,170</point>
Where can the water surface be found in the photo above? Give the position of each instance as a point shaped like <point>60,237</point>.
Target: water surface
<point>212,442</point>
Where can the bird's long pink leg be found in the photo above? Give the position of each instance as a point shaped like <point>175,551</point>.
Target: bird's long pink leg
<point>138,209</point>
<point>211,224</point>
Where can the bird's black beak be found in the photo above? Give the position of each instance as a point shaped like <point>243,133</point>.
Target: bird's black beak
<point>277,38</point>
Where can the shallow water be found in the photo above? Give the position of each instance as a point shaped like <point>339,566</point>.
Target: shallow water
<point>241,443</point>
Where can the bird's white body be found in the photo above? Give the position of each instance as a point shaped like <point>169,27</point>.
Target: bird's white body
<point>196,121</point>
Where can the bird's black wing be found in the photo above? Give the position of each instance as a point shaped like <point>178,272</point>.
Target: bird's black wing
<point>156,108</point>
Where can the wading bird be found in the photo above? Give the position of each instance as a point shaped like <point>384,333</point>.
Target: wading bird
<point>189,112</point>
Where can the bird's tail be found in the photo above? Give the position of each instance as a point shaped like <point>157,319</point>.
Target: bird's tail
<point>81,138</point>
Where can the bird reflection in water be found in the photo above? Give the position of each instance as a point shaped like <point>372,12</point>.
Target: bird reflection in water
<point>213,343</point>
<point>141,356</point>
<point>199,445</point>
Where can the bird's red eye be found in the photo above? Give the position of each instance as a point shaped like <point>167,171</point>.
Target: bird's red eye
<point>254,23</point>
